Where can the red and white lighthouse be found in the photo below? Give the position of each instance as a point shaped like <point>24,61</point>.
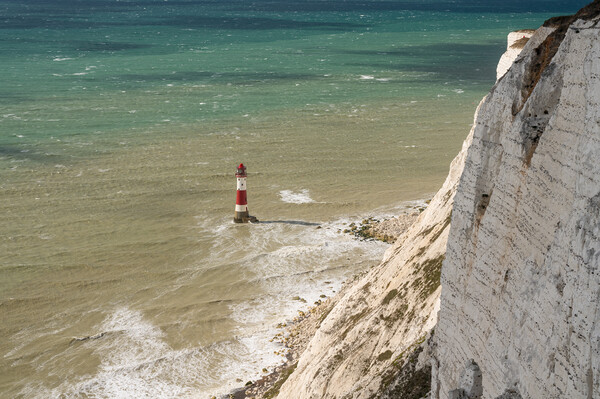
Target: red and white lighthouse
<point>241,201</point>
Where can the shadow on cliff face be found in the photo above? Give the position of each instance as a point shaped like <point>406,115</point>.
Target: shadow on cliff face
<point>410,376</point>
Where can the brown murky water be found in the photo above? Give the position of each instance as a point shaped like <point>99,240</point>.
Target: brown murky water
<point>124,274</point>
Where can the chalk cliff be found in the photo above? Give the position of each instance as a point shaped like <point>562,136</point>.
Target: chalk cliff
<point>520,283</point>
<point>520,303</point>
<point>516,41</point>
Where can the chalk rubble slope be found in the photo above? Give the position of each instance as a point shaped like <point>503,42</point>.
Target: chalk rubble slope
<point>521,279</point>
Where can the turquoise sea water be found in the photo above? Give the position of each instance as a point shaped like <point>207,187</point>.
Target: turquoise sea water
<point>121,123</point>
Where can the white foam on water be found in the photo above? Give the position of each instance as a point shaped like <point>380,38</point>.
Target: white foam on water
<point>367,77</point>
<point>295,276</point>
<point>458,91</point>
<point>292,264</point>
<point>136,362</point>
<point>140,340</point>
<point>60,59</point>
<point>13,117</point>
<point>301,197</point>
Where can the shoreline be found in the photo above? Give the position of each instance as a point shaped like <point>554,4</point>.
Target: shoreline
<point>296,334</point>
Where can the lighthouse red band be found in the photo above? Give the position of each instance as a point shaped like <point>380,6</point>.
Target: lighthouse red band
<point>241,201</point>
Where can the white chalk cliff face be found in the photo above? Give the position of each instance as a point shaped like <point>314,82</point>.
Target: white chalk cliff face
<point>515,43</point>
<point>521,279</point>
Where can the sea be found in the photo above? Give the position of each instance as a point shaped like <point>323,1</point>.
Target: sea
<point>122,122</point>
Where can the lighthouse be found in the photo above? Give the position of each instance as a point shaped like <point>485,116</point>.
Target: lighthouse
<point>241,201</point>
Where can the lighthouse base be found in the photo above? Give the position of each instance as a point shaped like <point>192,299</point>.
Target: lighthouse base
<point>244,217</point>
